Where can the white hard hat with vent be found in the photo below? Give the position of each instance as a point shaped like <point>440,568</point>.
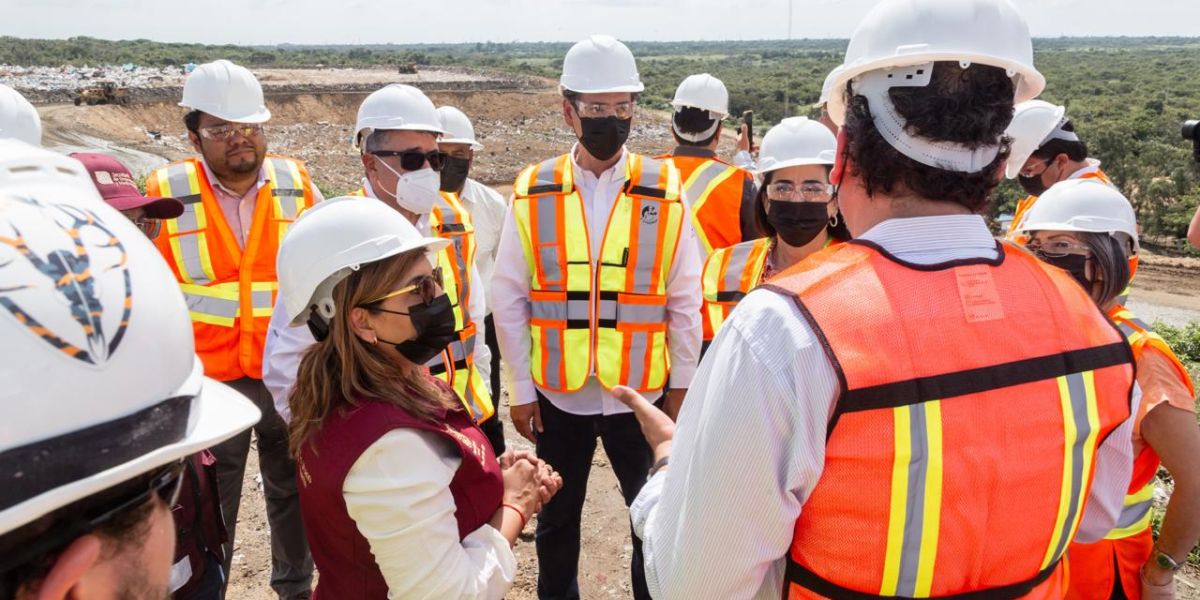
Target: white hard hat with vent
<point>101,383</point>
<point>600,64</point>
<point>1034,123</point>
<point>397,107</point>
<point>18,118</point>
<point>458,127</point>
<point>897,44</point>
<point>796,141</point>
<point>226,91</point>
<point>704,92</point>
<point>332,240</point>
<point>1083,205</point>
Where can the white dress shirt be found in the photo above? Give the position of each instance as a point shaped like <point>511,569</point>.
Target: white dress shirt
<point>511,285</point>
<point>285,346</point>
<point>487,208</point>
<point>750,442</point>
<point>398,494</point>
<point>744,160</point>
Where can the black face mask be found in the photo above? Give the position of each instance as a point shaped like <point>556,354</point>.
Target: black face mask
<point>454,173</point>
<point>1033,185</point>
<point>797,223</point>
<point>434,323</point>
<point>1075,264</point>
<point>603,137</point>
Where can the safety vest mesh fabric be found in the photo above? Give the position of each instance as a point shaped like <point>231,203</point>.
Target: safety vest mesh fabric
<point>605,315</point>
<point>959,457</point>
<point>714,190</point>
<point>229,290</point>
<point>1135,514</point>
<point>456,366</point>
<point>729,274</point>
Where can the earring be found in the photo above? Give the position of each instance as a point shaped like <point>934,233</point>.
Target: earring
<point>834,220</point>
<point>374,340</point>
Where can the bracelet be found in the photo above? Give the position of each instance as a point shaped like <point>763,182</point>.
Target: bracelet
<point>520,513</point>
<point>658,466</point>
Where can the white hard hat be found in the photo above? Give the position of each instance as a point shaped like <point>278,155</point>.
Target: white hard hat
<point>705,92</point>
<point>1033,123</point>
<point>458,127</point>
<point>827,87</point>
<point>226,91</point>
<point>1082,205</point>
<point>600,64</point>
<point>903,33</point>
<point>333,239</point>
<point>18,118</point>
<point>101,383</point>
<point>399,107</point>
<point>796,141</point>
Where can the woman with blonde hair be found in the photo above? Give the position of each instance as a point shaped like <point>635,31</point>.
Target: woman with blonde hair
<point>400,491</point>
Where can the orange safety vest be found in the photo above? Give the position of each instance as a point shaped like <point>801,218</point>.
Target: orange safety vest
<point>1026,203</point>
<point>1128,546</point>
<point>729,274</point>
<point>959,457</point>
<point>605,315</point>
<point>223,282</point>
<point>456,366</point>
<point>714,189</point>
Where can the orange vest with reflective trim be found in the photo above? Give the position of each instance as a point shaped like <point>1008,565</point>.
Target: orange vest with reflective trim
<point>456,366</point>
<point>714,190</point>
<point>959,456</point>
<point>729,274</point>
<point>1129,545</point>
<point>1026,203</point>
<point>230,290</point>
<point>604,315</point>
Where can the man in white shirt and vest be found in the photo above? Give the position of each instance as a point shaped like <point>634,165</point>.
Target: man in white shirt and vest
<point>487,209</point>
<point>865,425</point>
<point>397,132</point>
<point>238,204</point>
<point>597,284</point>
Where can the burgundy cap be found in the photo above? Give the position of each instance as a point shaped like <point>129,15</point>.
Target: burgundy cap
<point>119,190</point>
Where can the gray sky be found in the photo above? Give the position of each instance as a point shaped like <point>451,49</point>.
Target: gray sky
<point>426,21</point>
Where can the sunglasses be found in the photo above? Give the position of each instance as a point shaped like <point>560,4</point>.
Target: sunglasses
<point>223,133</point>
<point>149,226</point>
<point>428,286</point>
<point>414,160</point>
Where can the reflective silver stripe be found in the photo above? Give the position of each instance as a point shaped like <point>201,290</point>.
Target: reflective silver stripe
<point>552,357</point>
<point>186,222</point>
<point>559,311</point>
<point>914,511</point>
<point>639,343</point>
<point>649,175</point>
<point>1132,514</point>
<point>1140,323</point>
<point>262,298</point>
<point>647,244</point>
<point>217,307</point>
<point>738,258</point>
<point>449,215</point>
<point>710,171</point>
<point>607,310</point>
<point>545,173</point>
<point>547,245</point>
<point>641,313</point>
<point>284,188</point>
<point>1126,329</point>
<point>181,185</point>
<point>1083,430</point>
<point>189,246</point>
<point>460,350</point>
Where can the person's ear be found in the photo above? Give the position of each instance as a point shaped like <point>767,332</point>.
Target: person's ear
<point>66,578</point>
<point>369,166</point>
<point>194,138</point>
<point>843,158</point>
<point>360,325</point>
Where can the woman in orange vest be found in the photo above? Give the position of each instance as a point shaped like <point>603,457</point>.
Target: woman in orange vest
<point>1089,230</point>
<point>794,208</point>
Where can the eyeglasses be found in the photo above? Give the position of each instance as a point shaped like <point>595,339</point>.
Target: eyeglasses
<point>806,192</point>
<point>223,133</point>
<point>414,160</point>
<point>1029,171</point>
<point>596,110</point>
<point>1058,249</point>
<point>165,484</point>
<point>149,226</point>
<point>428,286</point>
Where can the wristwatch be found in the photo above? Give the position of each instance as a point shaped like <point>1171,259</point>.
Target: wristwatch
<point>1164,560</point>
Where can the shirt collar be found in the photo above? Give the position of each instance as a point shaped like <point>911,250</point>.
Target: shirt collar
<point>932,234</point>
<point>614,173</point>
<point>212,178</point>
<point>695,151</point>
<point>1093,165</point>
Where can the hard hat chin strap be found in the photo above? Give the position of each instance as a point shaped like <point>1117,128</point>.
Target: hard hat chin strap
<point>697,137</point>
<point>949,156</point>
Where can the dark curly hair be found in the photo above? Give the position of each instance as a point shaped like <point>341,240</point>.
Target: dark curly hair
<point>971,107</point>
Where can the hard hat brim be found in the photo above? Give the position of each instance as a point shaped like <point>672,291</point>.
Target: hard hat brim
<point>632,89</point>
<point>474,144</point>
<point>217,414</point>
<point>795,162</point>
<point>254,118</point>
<point>1020,153</point>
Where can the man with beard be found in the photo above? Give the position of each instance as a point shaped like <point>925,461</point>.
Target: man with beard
<point>1045,151</point>
<point>104,399</point>
<point>238,204</point>
<point>597,284</point>
<point>487,209</point>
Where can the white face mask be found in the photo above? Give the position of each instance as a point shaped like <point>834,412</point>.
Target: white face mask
<point>416,191</point>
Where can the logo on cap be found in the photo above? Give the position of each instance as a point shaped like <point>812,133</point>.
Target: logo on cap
<point>104,178</point>
<point>64,276</point>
